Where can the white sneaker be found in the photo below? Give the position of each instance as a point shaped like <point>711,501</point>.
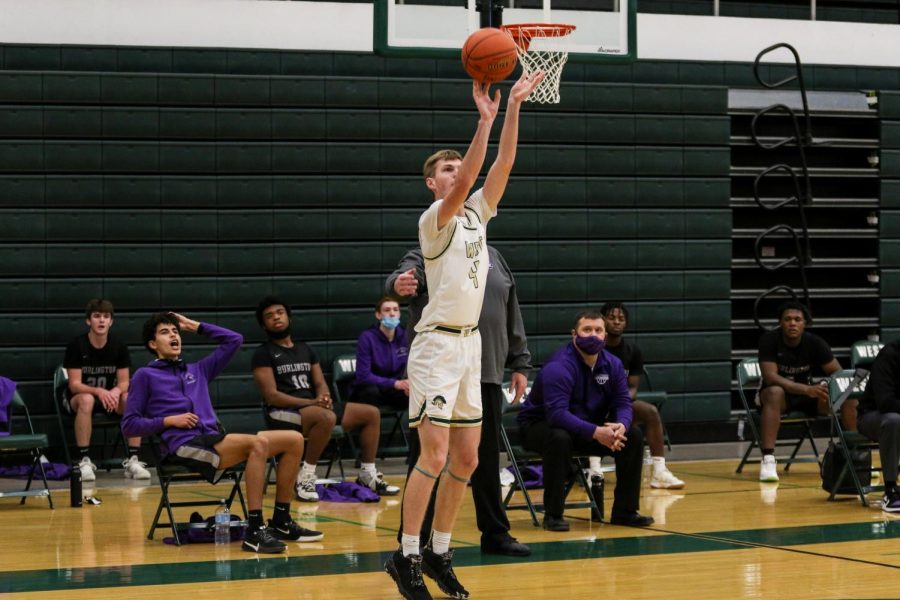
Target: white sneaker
<point>664,480</point>
<point>88,469</point>
<point>306,488</point>
<point>135,469</point>
<point>767,469</point>
<point>377,484</point>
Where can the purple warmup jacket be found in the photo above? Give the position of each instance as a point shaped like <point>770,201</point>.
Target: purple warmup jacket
<point>570,395</point>
<point>165,388</point>
<point>7,389</point>
<point>378,361</point>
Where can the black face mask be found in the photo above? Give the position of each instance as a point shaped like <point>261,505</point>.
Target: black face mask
<point>279,335</point>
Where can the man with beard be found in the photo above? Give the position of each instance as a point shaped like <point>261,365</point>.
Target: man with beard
<point>291,382</point>
<point>579,404</point>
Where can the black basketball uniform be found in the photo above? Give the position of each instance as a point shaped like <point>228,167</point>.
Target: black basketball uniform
<point>98,365</point>
<point>292,368</point>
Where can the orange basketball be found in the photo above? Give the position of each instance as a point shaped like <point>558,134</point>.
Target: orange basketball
<point>489,55</point>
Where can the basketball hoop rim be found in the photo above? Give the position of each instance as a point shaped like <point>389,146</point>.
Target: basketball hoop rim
<point>523,33</point>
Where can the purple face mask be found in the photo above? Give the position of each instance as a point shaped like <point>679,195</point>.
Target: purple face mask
<point>590,344</point>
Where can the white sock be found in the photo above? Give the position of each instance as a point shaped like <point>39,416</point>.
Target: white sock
<point>410,544</point>
<point>307,470</point>
<point>440,542</point>
<point>368,468</point>
<point>595,463</point>
<point>659,464</point>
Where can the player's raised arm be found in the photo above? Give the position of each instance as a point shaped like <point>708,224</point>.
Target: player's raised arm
<point>498,176</point>
<point>474,158</point>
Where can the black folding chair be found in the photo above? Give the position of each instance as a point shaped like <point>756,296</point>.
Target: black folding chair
<point>849,384</point>
<point>520,458</point>
<point>749,377</point>
<point>170,471</point>
<point>30,444</point>
<point>99,421</point>
<point>343,370</point>
<point>657,399</point>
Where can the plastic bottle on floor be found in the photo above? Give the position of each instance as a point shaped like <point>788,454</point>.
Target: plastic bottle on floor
<point>223,524</point>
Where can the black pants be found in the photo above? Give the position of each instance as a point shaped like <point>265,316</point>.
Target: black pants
<point>489,512</point>
<point>558,446</point>
<point>883,428</point>
<point>376,396</point>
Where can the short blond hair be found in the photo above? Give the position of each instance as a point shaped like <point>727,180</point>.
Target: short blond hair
<point>431,162</point>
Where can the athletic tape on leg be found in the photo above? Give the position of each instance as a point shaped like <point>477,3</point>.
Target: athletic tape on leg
<point>424,472</point>
<point>456,477</point>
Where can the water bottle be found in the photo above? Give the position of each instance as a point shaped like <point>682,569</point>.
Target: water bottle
<point>647,470</point>
<point>75,485</point>
<point>223,524</point>
<point>597,493</point>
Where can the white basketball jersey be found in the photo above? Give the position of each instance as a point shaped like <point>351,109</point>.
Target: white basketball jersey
<point>456,264</point>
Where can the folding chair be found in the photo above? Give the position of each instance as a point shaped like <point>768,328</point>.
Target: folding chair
<point>336,445</point>
<point>343,370</point>
<point>749,377</point>
<point>31,444</point>
<point>99,421</point>
<point>519,457</point>
<point>657,399</point>
<point>169,472</point>
<point>863,353</point>
<point>849,384</point>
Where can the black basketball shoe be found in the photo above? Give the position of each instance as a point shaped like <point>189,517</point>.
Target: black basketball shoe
<point>292,532</point>
<point>261,540</point>
<point>406,571</point>
<point>438,567</point>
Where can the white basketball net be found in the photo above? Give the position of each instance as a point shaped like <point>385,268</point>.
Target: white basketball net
<point>547,59</point>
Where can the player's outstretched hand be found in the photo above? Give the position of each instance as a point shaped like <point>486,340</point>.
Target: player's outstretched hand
<point>524,86</point>
<point>487,106</point>
<point>406,283</point>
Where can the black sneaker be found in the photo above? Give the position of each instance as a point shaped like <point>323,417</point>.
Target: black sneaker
<point>261,540</point>
<point>891,501</point>
<point>552,523</point>
<point>631,519</point>
<point>294,533</point>
<point>377,484</point>
<point>406,571</point>
<point>505,545</point>
<point>438,567</point>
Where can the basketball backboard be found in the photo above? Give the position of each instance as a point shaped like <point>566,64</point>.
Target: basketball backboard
<point>605,30</point>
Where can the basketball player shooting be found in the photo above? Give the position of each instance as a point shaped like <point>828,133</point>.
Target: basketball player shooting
<point>445,359</point>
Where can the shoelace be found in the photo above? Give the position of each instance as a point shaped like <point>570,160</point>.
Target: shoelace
<point>416,572</point>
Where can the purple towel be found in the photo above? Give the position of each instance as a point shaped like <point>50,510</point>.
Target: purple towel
<point>532,476</point>
<point>55,471</point>
<point>346,491</point>
<point>206,535</point>
<point>7,389</point>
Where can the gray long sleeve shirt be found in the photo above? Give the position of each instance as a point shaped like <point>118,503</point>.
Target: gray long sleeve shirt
<point>503,343</point>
